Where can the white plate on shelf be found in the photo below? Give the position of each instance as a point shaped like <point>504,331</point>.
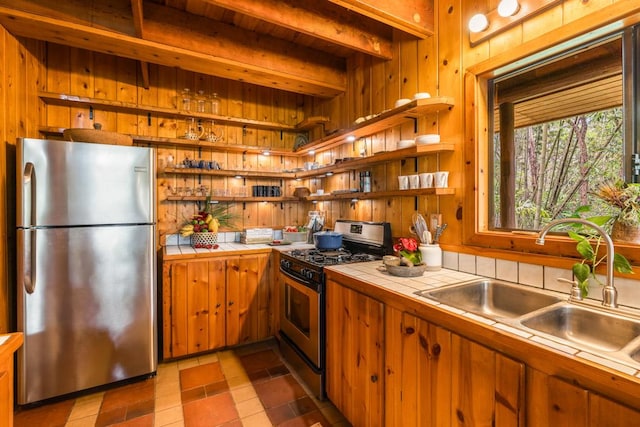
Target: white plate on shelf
<point>422,95</point>
<point>431,138</point>
<point>405,143</point>
<point>401,102</point>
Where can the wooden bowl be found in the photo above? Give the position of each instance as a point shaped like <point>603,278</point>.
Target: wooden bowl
<point>97,136</point>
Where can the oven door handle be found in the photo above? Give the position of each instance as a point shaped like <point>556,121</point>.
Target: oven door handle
<point>306,283</point>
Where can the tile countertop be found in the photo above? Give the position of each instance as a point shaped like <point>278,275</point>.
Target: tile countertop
<point>224,249</point>
<point>407,287</point>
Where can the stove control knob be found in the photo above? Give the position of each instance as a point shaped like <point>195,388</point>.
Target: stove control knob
<point>307,273</point>
<point>285,263</point>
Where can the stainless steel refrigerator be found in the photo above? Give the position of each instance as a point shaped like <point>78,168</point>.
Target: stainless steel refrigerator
<point>86,274</point>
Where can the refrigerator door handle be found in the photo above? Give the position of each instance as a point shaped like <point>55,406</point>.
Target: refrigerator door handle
<point>28,194</point>
<point>28,262</point>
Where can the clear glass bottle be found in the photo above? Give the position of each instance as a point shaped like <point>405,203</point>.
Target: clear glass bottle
<point>186,99</point>
<point>215,103</point>
<point>201,102</point>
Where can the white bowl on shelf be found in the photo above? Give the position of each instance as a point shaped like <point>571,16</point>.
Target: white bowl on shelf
<point>402,101</point>
<point>406,143</point>
<point>422,95</point>
<point>430,138</point>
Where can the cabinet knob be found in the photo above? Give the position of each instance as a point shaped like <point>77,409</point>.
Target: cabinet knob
<point>374,378</point>
<point>409,330</point>
<point>230,303</point>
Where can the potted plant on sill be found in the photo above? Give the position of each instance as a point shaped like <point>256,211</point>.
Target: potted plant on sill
<point>588,246</point>
<point>625,199</point>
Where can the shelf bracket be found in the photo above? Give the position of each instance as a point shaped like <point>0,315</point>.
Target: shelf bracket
<point>199,152</point>
<point>415,124</point>
<point>281,206</point>
<point>281,135</point>
<point>244,130</point>
<point>148,119</point>
<point>415,164</point>
<point>244,206</point>
<point>415,203</point>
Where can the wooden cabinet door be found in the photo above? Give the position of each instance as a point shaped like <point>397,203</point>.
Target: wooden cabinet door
<point>574,406</point>
<point>193,306</point>
<point>249,296</point>
<point>355,351</point>
<point>6,391</point>
<point>418,371</point>
<point>487,387</point>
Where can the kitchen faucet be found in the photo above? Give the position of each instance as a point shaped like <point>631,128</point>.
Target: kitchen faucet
<point>609,292</point>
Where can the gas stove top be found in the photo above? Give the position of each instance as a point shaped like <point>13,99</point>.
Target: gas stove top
<point>322,258</point>
<point>362,242</point>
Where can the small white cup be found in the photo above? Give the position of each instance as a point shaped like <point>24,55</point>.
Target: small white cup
<point>414,181</point>
<point>426,180</point>
<point>441,179</point>
<point>403,182</point>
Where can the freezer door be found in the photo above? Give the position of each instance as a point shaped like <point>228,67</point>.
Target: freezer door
<point>62,183</point>
<point>87,308</point>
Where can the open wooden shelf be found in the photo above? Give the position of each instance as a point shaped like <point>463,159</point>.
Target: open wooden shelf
<point>232,199</point>
<point>226,173</point>
<point>394,117</point>
<point>110,105</point>
<point>383,194</point>
<point>384,157</point>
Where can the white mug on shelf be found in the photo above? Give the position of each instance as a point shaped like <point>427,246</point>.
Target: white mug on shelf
<point>441,179</point>
<point>403,182</point>
<point>426,180</point>
<point>414,181</point>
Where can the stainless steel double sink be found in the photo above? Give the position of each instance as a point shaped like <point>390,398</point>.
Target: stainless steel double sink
<point>606,332</point>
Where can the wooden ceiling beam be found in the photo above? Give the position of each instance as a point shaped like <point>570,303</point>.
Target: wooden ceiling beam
<point>414,17</point>
<point>138,16</point>
<point>318,19</point>
<point>179,39</point>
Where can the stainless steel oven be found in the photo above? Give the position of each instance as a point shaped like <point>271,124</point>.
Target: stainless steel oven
<point>302,295</point>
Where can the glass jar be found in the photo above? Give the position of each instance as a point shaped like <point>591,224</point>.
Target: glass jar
<point>201,102</point>
<point>215,103</point>
<point>365,181</point>
<point>186,99</point>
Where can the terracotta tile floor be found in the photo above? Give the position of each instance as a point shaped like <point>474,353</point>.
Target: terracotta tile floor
<point>250,386</point>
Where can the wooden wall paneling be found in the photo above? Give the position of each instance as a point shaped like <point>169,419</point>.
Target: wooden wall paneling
<point>408,66</point>
<point>127,92</point>
<point>540,23</point>
<point>81,72</point>
<point>505,41</point>
<point>249,111</point>
<point>235,90</point>
<point>265,111</point>
<point>451,123</point>
<point>58,81</point>
<point>105,86</point>
<point>572,11</point>
<point>379,93</point>
<point>147,124</point>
